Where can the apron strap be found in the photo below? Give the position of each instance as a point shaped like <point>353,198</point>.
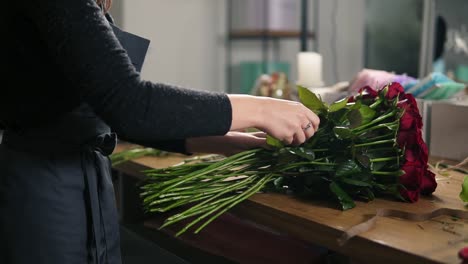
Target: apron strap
<point>99,196</point>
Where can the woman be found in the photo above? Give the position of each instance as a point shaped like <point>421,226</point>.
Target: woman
<point>69,83</point>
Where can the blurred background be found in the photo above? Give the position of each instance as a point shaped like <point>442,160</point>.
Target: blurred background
<point>224,45</point>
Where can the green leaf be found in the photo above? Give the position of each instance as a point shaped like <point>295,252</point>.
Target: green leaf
<point>355,105</point>
<point>361,116</point>
<point>348,168</point>
<point>344,199</point>
<point>338,105</point>
<point>310,100</point>
<point>274,142</point>
<point>366,194</point>
<point>339,117</point>
<point>343,132</point>
<point>303,152</point>
<point>356,182</point>
<point>364,160</point>
<point>464,191</point>
<point>367,114</point>
<point>377,166</point>
<point>355,118</point>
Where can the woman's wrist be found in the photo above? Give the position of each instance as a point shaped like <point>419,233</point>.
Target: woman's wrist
<point>247,111</point>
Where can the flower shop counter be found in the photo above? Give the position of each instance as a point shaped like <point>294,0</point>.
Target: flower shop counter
<point>297,223</point>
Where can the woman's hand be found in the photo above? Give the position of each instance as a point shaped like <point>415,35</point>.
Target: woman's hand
<point>229,144</point>
<point>288,121</point>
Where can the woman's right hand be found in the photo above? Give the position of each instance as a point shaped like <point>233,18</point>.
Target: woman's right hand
<point>288,121</point>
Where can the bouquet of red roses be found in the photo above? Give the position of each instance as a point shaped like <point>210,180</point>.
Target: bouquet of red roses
<point>368,144</point>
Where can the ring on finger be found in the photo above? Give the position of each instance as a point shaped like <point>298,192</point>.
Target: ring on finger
<point>309,125</point>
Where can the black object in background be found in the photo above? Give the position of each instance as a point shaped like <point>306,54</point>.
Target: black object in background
<point>136,46</point>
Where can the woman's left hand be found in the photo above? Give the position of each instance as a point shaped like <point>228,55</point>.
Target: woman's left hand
<point>229,144</point>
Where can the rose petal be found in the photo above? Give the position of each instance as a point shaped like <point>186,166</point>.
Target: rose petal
<point>368,92</point>
<point>410,195</point>
<point>428,183</point>
<point>394,89</point>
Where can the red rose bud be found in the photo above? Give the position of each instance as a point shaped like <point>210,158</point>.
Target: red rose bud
<point>367,92</point>
<point>413,155</point>
<point>463,254</point>
<point>413,175</point>
<point>409,195</point>
<point>428,184</point>
<point>411,117</point>
<point>424,150</point>
<point>408,137</point>
<point>394,89</point>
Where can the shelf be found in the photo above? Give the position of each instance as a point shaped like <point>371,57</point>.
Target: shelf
<point>262,34</point>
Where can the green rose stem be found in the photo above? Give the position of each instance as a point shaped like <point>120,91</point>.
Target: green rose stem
<point>393,126</point>
<point>199,208</point>
<point>232,202</point>
<point>375,121</point>
<point>390,173</point>
<point>186,214</point>
<point>126,155</point>
<point>384,159</point>
<point>386,136</point>
<point>229,189</point>
<point>375,143</point>
<point>237,200</point>
<point>216,166</point>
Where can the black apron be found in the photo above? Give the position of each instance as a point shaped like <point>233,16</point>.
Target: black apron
<point>57,202</point>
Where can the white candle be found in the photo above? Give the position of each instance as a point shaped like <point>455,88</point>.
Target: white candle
<point>309,65</point>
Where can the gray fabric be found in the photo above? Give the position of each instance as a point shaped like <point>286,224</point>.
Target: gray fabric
<point>57,202</point>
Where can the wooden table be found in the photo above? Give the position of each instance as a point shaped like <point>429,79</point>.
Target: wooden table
<point>391,241</point>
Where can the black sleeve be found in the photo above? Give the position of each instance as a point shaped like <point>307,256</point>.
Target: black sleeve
<point>82,43</point>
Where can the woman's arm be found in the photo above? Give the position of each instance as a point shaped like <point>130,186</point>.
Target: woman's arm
<point>229,144</point>
<point>87,52</point>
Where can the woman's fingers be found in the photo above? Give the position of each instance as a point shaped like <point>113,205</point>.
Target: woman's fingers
<point>288,121</point>
<point>299,138</point>
<point>259,134</point>
<point>310,129</point>
<point>313,119</point>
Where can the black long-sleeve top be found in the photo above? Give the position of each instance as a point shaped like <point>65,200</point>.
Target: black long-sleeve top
<point>62,53</point>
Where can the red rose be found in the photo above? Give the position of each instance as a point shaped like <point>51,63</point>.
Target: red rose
<point>408,137</point>
<point>412,178</point>
<point>413,175</point>
<point>410,195</point>
<point>424,151</point>
<point>411,117</point>
<point>413,154</point>
<point>410,120</point>
<point>428,183</point>
<point>367,92</point>
<point>394,89</point>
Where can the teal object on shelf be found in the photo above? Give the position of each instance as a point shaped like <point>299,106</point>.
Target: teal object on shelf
<point>428,82</point>
<point>250,71</point>
<point>442,91</point>
<point>462,73</point>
